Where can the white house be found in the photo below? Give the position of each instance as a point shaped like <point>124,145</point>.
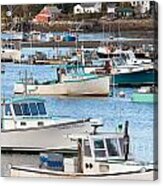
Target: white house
<point>87,8</point>
<point>111,8</point>
<point>144,5</point>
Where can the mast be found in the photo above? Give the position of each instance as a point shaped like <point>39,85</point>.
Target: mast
<point>82,56</point>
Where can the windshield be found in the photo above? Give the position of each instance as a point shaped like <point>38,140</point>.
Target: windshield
<point>29,109</point>
<point>99,149</point>
<point>112,147</point>
<point>7,110</point>
<point>118,61</point>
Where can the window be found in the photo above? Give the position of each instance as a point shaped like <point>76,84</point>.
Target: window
<point>87,149</point>
<point>41,108</point>
<point>33,108</point>
<point>17,109</point>
<point>7,110</point>
<point>112,147</point>
<point>99,144</point>
<point>25,109</point>
<point>100,151</point>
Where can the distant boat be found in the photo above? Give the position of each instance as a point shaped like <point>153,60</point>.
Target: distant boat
<point>26,126</point>
<point>127,73</point>
<point>2,69</point>
<point>145,95</point>
<point>103,52</point>
<point>9,53</point>
<point>34,36</point>
<point>69,37</point>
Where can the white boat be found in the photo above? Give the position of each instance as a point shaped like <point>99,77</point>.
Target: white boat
<point>10,53</point>
<point>130,58</point>
<point>71,81</point>
<point>35,36</point>
<point>99,155</point>
<point>26,126</point>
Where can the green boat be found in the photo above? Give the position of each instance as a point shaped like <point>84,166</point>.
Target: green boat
<point>136,78</point>
<point>145,95</point>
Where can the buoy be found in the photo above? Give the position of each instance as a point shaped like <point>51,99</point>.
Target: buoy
<point>121,94</point>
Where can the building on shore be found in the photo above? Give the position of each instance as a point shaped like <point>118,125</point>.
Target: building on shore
<point>87,8</point>
<point>47,14</point>
<point>143,6</point>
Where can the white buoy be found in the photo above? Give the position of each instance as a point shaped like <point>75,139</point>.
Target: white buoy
<point>121,94</point>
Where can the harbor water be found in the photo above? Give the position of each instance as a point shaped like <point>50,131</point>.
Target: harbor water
<point>112,110</point>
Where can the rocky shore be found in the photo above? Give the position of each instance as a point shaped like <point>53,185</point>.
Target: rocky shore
<point>100,25</point>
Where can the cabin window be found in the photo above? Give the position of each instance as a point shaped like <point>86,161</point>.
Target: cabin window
<point>25,109</point>
<point>7,110</point>
<point>99,144</point>
<point>100,151</point>
<point>17,109</point>
<point>112,147</point>
<point>34,109</point>
<point>87,149</point>
<point>41,108</point>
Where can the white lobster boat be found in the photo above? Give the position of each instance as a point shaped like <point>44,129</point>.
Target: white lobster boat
<point>99,155</point>
<point>70,82</point>
<point>25,125</point>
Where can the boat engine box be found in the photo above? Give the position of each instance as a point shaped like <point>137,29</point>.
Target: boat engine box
<point>70,165</point>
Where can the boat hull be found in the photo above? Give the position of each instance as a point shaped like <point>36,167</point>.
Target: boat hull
<point>95,86</point>
<point>143,77</point>
<point>41,138</point>
<point>150,174</point>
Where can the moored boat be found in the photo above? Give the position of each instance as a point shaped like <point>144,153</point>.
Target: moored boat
<point>69,37</point>
<point>71,81</point>
<point>9,53</point>
<point>145,95</point>
<point>98,155</point>
<point>2,69</point>
<point>26,126</point>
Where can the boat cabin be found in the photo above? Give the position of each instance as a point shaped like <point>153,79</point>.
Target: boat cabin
<point>23,112</point>
<point>95,152</point>
<point>128,56</point>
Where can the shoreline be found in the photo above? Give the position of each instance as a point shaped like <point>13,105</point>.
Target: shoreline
<point>96,25</point>
<point>87,44</point>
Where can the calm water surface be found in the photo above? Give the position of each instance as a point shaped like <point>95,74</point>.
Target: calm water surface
<point>112,110</point>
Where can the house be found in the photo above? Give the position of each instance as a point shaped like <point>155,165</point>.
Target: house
<point>87,8</point>
<point>111,8</point>
<point>47,14</point>
<point>143,6</point>
<point>125,12</point>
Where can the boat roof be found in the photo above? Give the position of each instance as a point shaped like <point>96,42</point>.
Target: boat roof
<point>97,135</point>
<point>24,99</point>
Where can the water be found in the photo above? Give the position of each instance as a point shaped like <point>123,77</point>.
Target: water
<point>81,36</point>
<point>112,110</point>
